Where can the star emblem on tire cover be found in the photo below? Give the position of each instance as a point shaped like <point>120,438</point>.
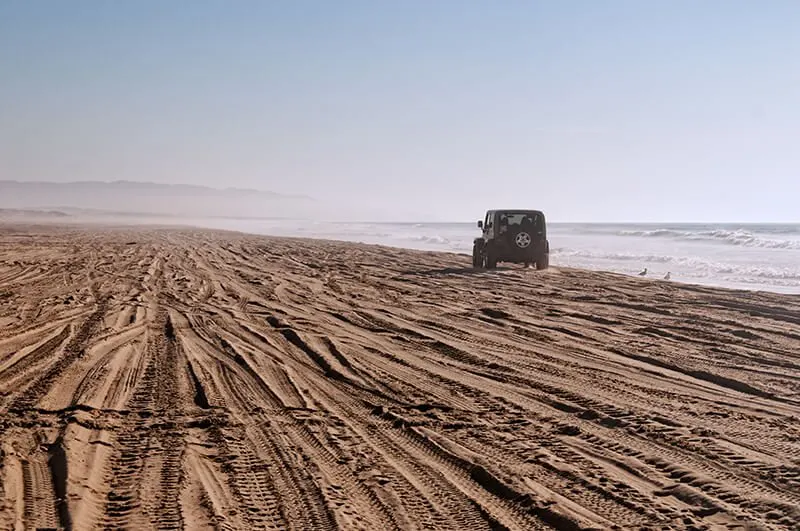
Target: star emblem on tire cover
<point>523,239</point>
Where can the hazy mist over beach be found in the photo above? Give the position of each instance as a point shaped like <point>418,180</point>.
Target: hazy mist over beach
<point>415,111</point>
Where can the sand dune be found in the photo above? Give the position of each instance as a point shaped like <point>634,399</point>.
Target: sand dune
<point>206,380</point>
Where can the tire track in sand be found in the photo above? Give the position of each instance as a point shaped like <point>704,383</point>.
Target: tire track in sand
<point>197,379</point>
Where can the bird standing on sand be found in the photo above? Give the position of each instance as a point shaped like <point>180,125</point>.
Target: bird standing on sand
<point>643,273</point>
<point>667,277</point>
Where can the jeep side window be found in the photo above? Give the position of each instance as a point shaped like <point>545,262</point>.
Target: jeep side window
<point>488,223</point>
<point>537,223</point>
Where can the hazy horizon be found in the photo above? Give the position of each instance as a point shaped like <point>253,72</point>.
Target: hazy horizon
<point>618,112</point>
<point>288,209</point>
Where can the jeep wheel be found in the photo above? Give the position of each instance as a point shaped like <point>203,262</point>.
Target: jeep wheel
<point>477,259</point>
<point>489,261</point>
<point>522,240</point>
<point>543,262</point>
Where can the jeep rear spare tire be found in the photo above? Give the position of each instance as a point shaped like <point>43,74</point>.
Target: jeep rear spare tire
<point>523,240</point>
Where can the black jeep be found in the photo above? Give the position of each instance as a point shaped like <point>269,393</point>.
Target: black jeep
<point>518,236</point>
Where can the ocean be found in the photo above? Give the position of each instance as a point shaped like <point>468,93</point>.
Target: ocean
<point>742,256</point>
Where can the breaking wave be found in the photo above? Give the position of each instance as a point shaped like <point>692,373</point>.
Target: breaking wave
<point>731,237</point>
<point>435,239</point>
<point>699,266</point>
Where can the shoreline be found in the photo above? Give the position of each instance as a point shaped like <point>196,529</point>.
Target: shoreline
<point>100,224</point>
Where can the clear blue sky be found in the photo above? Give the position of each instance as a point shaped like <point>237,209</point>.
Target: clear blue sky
<point>617,110</point>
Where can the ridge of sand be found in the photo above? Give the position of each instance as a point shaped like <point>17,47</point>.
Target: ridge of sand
<point>193,379</point>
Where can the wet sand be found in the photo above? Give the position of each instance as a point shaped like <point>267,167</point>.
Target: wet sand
<point>192,379</point>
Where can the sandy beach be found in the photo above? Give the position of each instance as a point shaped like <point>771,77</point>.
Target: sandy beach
<point>193,379</point>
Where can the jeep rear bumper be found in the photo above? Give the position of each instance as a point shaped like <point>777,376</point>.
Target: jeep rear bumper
<point>510,253</point>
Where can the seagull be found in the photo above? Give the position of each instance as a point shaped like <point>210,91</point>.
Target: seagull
<point>643,273</point>
<point>667,277</point>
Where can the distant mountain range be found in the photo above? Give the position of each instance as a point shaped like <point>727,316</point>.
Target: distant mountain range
<point>130,197</point>
<point>15,213</point>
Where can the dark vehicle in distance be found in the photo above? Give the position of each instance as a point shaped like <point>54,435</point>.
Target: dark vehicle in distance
<point>516,236</point>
